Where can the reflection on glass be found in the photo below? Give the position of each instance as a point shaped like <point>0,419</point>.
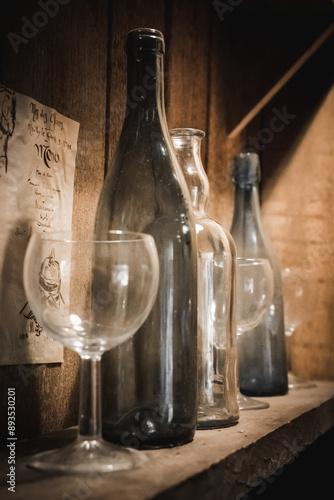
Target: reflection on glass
<point>218,394</point>
<point>262,354</point>
<point>255,287</point>
<point>216,259</point>
<point>107,289</point>
<point>299,294</point>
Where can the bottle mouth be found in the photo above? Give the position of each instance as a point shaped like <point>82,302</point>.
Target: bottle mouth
<point>187,132</point>
<point>145,39</point>
<point>246,169</point>
<point>185,137</point>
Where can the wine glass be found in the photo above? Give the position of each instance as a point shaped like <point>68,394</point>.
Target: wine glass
<point>91,296</point>
<point>299,302</point>
<point>255,288</point>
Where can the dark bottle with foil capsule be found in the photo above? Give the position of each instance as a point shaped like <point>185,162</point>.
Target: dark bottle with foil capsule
<point>262,353</point>
<point>217,385</point>
<point>149,392</point>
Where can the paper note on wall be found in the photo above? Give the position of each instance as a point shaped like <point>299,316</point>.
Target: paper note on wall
<point>37,163</point>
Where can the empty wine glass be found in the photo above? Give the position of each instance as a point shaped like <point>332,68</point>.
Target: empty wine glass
<point>299,302</point>
<point>90,296</point>
<point>255,288</point>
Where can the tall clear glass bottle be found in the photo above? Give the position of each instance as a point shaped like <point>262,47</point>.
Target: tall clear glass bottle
<point>150,385</point>
<point>217,385</point>
<point>262,353</point>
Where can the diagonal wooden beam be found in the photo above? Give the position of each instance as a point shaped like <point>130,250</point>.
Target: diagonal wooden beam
<point>282,81</point>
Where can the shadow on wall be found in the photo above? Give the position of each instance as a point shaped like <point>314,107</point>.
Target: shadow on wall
<point>295,107</point>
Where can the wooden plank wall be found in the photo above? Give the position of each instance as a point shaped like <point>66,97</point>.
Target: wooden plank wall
<point>298,203</point>
<point>76,63</point>
<point>64,66</point>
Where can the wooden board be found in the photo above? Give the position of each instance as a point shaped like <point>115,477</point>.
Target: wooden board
<point>63,65</point>
<point>222,463</point>
<point>298,206</point>
<point>124,16</point>
<point>76,63</point>
<point>187,66</point>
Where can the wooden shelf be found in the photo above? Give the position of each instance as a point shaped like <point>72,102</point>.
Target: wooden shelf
<point>223,463</point>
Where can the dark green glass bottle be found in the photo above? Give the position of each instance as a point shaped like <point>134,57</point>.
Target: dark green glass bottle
<point>262,354</point>
<point>149,396</point>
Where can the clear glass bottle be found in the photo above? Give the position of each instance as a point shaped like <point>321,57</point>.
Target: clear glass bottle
<point>262,353</point>
<point>217,386</point>
<point>150,385</point>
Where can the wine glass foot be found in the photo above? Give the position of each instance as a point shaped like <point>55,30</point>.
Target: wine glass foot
<point>246,403</point>
<point>298,383</point>
<point>87,456</point>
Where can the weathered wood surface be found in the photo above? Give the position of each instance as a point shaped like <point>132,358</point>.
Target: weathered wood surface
<point>63,65</point>
<point>296,152</point>
<point>218,464</point>
<point>298,206</point>
<point>77,64</point>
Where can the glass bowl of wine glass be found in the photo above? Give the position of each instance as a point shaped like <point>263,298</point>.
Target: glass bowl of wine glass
<point>90,295</point>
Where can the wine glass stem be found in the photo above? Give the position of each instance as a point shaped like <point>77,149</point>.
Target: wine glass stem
<point>288,351</point>
<point>90,399</point>
<point>237,362</point>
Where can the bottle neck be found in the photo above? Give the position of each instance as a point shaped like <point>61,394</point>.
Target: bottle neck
<point>188,152</point>
<point>145,87</point>
<point>247,229</point>
<point>247,200</point>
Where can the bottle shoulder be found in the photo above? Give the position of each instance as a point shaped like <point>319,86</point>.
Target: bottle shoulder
<point>252,244</point>
<point>145,159</point>
<point>139,194</point>
<point>147,169</point>
<point>212,236</point>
